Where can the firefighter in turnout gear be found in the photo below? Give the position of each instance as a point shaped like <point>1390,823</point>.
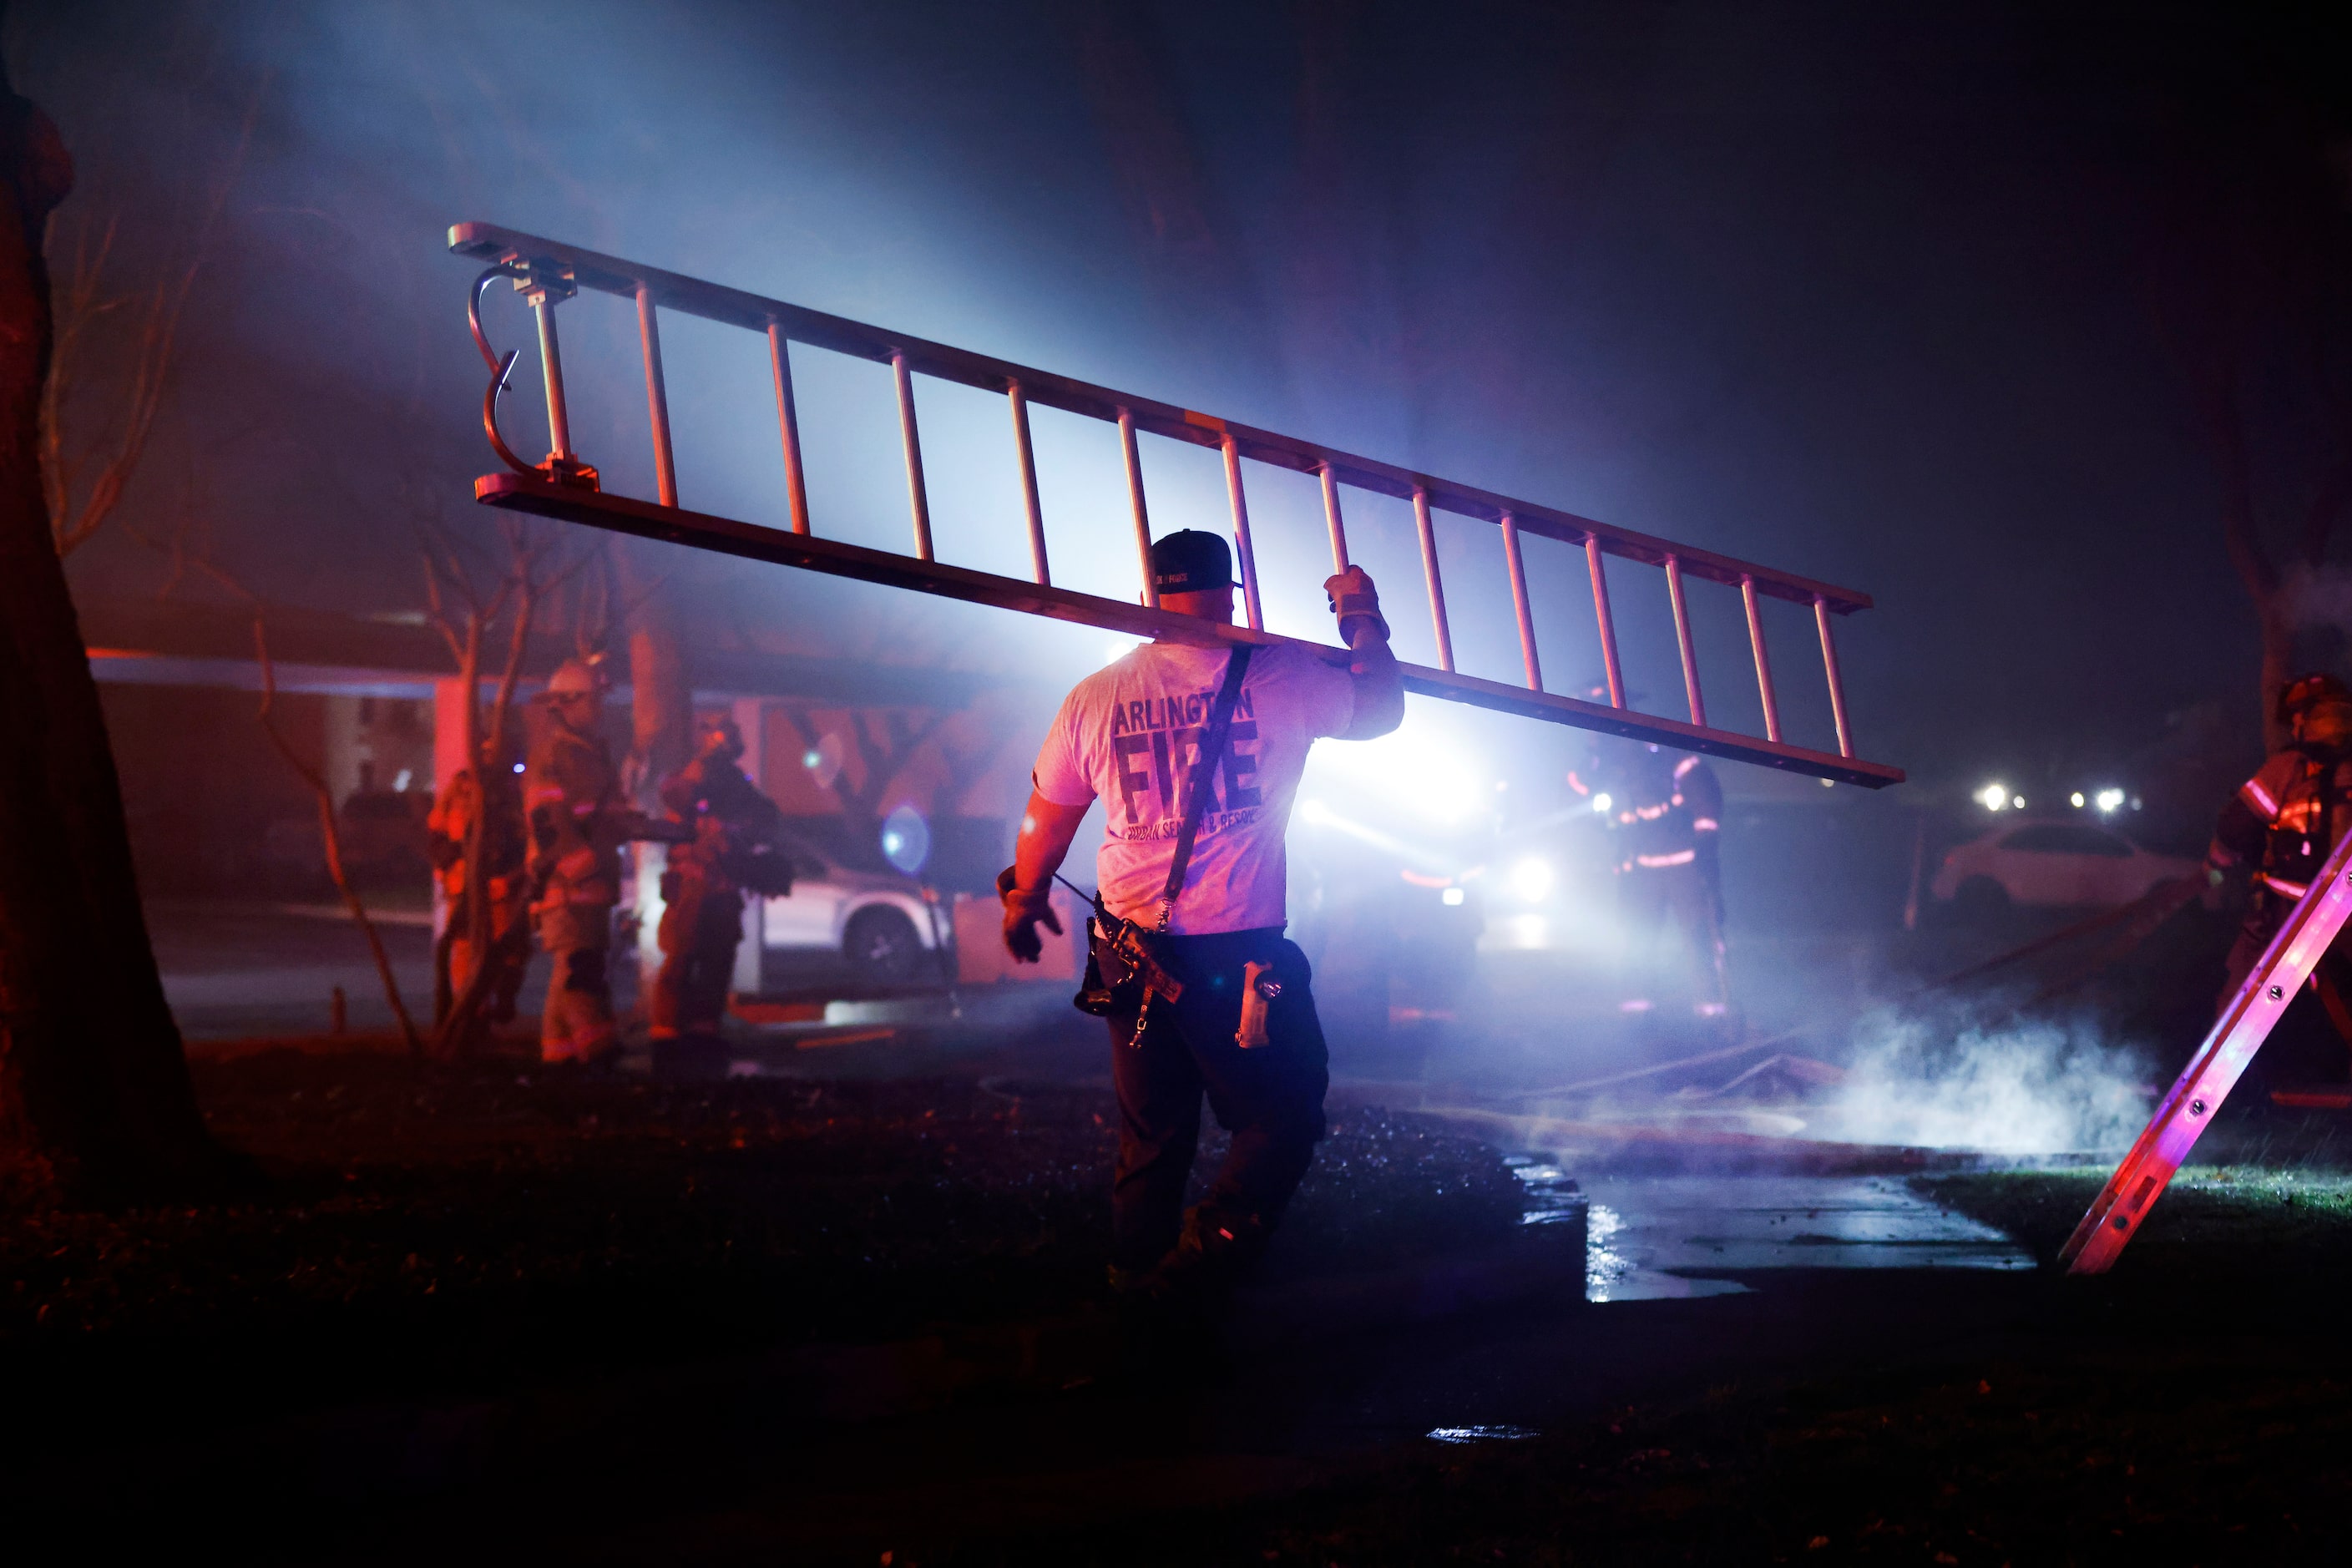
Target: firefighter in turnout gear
<point>578,822</point>
<point>2281,826</point>
<point>499,807</point>
<point>1665,821</point>
<point>735,849</point>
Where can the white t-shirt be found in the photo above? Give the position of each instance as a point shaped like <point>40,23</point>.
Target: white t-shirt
<point>1131,731</point>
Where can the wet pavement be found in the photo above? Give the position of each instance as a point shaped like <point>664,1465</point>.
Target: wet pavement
<point>234,971</point>
<point>1652,1238</point>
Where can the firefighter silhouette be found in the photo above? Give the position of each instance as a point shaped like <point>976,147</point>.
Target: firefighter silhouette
<point>1664,816</point>
<point>2280,826</point>
<point>733,851</point>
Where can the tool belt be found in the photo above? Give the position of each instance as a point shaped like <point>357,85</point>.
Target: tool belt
<point>1125,967</point>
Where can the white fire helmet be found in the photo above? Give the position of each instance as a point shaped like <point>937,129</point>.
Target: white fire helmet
<point>576,677</point>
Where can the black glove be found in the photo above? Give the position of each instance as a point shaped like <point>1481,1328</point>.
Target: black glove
<point>1022,910</point>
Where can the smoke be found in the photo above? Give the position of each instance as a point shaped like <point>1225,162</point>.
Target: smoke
<point>2038,1087</point>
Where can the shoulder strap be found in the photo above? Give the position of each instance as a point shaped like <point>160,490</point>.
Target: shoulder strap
<point>1199,787</point>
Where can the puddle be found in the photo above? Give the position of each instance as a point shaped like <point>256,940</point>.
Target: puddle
<point>1481,1433</point>
<point>1646,1234</point>
<point>1547,1193</point>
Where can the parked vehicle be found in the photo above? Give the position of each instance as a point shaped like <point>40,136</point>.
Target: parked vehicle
<point>2052,865</point>
<point>891,929</point>
<point>385,838</point>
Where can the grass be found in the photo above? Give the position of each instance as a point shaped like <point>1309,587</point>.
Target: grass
<point>2227,1219</point>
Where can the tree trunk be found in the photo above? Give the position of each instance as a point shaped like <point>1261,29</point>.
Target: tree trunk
<point>661,698</point>
<point>95,1098</point>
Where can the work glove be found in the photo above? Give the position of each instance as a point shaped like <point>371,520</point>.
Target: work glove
<point>1024,909</point>
<point>1352,597</point>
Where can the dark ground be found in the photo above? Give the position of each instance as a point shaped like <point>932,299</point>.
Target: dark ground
<point>504,1314</point>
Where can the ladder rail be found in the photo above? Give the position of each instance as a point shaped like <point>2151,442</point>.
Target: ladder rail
<point>777,546</point>
<point>2189,1107</point>
<point>734,307</point>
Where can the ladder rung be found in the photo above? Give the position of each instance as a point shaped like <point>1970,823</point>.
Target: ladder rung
<point>1436,581</point>
<point>1614,676</point>
<point>917,498</point>
<point>657,398</point>
<point>1763,660</point>
<point>1029,504</point>
<point>1683,642</point>
<point>788,423</point>
<point>1242,546</point>
<point>1518,569</point>
<point>1135,499</point>
<point>1332,519</point>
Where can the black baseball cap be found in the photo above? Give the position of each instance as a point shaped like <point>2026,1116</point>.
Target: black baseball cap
<point>1189,562</point>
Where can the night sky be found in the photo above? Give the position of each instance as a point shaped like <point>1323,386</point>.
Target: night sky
<point>1913,299</point>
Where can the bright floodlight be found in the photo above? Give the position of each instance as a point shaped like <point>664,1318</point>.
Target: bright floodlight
<point>1995,796</point>
<point>2109,799</point>
<point>2018,801</point>
<point>1602,801</point>
<point>1531,879</point>
<point>2077,799</point>
<point>1417,769</point>
<point>1451,898</point>
<point>906,839</point>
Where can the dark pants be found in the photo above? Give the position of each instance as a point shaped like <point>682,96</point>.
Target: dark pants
<point>1674,941</point>
<point>698,934</point>
<point>1270,1098</point>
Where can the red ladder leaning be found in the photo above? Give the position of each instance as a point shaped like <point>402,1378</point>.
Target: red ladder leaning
<point>547,272</point>
<point>2189,1109</point>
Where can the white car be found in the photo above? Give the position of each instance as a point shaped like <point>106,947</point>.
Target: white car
<point>888,927</point>
<point>2052,865</point>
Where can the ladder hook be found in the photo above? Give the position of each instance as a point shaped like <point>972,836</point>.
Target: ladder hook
<point>501,367</point>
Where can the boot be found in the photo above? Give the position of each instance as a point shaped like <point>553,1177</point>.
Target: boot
<point>1216,1250</point>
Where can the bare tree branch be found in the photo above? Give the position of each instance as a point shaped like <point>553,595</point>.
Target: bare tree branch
<point>118,443</point>
<point>332,837</point>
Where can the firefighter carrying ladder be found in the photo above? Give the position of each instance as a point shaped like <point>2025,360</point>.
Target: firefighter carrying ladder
<point>546,272</point>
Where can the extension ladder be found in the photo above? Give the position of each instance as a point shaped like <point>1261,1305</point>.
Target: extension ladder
<point>2189,1107</point>
<point>546,273</point>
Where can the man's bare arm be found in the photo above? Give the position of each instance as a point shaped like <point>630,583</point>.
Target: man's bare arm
<point>1046,831</point>
<point>1378,683</point>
